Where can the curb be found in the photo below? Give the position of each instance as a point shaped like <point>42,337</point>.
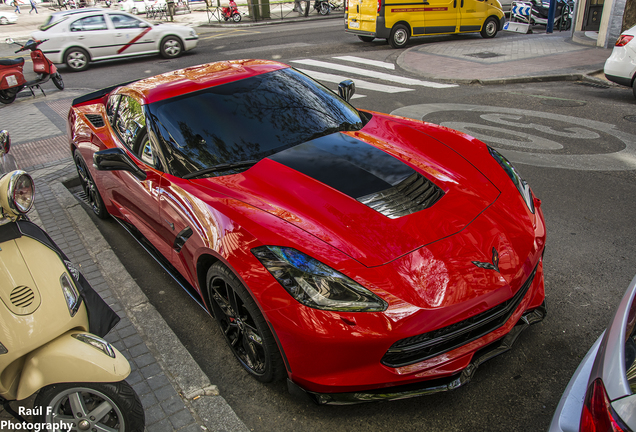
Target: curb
<point>198,394</point>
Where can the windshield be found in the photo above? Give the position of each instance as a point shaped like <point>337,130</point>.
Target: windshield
<point>246,120</point>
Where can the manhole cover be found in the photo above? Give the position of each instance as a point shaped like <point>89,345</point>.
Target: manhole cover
<point>562,103</point>
<point>595,85</point>
<point>630,118</point>
<point>484,55</point>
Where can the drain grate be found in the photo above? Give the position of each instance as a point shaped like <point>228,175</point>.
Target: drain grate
<point>591,84</point>
<point>484,55</point>
<point>81,196</point>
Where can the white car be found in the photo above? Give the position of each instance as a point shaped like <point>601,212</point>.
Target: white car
<point>79,37</point>
<point>136,6</point>
<point>8,18</point>
<point>620,67</point>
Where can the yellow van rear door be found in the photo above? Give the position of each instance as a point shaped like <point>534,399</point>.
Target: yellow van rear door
<point>472,14</point>
<point>441,16</point>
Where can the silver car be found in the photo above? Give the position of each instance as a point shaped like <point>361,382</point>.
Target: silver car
<point>78,37</point>
<point>600,395</point>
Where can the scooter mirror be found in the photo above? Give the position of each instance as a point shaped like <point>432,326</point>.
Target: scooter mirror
<point>9,41</point>
<point>5,142</point>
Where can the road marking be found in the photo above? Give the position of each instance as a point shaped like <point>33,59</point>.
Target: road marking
<point>361,60</point>
<point>535,149</point>
<point>372,74</point>
<point>360,84</point>
<point>268,48</point>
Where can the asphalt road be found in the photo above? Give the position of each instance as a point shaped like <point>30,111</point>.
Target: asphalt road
<point>573,144</point>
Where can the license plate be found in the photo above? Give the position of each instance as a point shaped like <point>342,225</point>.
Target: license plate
<point>354,24</point>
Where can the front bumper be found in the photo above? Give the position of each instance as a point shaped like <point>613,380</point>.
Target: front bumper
<point>432,386</point>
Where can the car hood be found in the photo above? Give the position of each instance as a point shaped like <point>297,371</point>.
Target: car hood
<point>343,188</point>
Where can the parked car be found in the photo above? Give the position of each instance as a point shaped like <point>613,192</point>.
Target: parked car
<point>600,396</point>
<point>7,17</point>
<point>620,67</point>
<point>134,6</point>
<point>79,37</point>
<point>362,255</point>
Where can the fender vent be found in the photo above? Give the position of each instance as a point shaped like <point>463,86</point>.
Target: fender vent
<point>22,297</point>
<point>96,119</point>
<point>411,195</point>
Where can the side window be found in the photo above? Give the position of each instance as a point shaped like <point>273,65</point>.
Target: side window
<point>130,122</point>
<point>96,22</point>
<point>147,152</point>
<point>124,21</point>
<point>111,109</point>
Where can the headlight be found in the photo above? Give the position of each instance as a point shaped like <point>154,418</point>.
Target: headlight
<point>71,295</point>
<point>95,342</point>
<point>19,187</point>
<point>315,284</point>
<point>520,183</point>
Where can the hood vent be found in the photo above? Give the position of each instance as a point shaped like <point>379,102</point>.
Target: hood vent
<point>411,195</point>
<point>96,119</point>
<point>22,297</point>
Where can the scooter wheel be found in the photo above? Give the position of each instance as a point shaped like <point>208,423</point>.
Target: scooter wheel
<point>6,97</point>
<point>57,80</point>
<point>236,17</point>
<point>102,406</point>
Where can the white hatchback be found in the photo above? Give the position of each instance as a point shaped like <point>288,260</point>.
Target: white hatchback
<point>620,67</point>
<point>79,37</point>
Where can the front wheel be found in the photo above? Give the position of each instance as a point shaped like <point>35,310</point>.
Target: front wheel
<point>490,28</point>
<point>91,406</point>
<point>90,189</point>
<point>399,36</point>
<point>171,47</point>
<point>236,17</point>
<point>57,80</point>
<point>7,97</point>
<point>243,325</point>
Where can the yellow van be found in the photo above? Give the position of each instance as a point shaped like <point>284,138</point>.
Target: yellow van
<point>398,20</point>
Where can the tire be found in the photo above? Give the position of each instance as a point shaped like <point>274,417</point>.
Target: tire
<point>323,9</point>
<point>634,88</point>
<point>366,38</point>
<point>490,28</point>
<point>126,413</point>
<point>236,17</point>
<point>171,47</point>
<point>243,326</point>
<point>399,37</point>
<point>57,80</point>
<point>90,189</point>
<point>6,97</point>
<point>4,21</point>
<point>133,11</point>
<point>77,59</point>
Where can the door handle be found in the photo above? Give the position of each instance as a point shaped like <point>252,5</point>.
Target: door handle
<point>455,4</point>
<point>80,37</point>
<point>357,8</point>
<point>462,4</point>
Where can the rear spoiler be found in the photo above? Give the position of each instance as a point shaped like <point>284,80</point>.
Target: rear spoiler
<point>98,94</point>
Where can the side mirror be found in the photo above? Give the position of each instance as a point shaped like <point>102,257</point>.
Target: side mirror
<point>5,142</point>
<point>116,159</point>
<point>346,89</point>
<point>144,25</point>
<point>8,41</point>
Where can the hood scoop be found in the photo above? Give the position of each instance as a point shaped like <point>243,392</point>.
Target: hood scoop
<point>411,195</point>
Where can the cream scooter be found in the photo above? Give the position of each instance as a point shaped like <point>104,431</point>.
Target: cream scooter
<point>51,328</point>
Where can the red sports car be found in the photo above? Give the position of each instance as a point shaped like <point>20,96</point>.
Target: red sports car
<point>361,255</point>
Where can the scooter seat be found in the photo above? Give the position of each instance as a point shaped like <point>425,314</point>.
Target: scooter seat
<point>12,62</point>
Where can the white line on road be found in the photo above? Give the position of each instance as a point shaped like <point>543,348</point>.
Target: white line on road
<point>373,74</point>
<point>360,84</point>
<point>375,63</point>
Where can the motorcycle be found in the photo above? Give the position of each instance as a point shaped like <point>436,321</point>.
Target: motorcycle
<point>539,13</point>
<point>231,12</point>
<point>53,323</point>
<point>322,6</point>
<point>12,79</point>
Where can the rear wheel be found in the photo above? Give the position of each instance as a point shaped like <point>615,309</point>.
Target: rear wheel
<point>6,97</point>
<point>57,80</point>
<point>366,38</point>
<point>4,21</point>
<point>243,325</point>
<point>490,28</point>
<point>236,17</point>
<point>90,189</point>
<point>399,36</point>
<point>324,8</point>
<point>77,59</point>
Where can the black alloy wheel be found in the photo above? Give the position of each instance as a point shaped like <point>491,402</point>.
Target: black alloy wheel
<point>243,325</point>
<point>90,189</point>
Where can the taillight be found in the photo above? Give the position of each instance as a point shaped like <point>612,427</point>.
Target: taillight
<point>379,5</point>
<point>623,40</point>
<point>598,415</point>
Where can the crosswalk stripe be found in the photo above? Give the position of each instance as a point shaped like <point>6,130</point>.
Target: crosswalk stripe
<point>360,84</point>
<point>361,60</point>
<point>372,74</point>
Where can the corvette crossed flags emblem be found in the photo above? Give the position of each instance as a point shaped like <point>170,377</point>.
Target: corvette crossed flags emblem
<point>490,266</point>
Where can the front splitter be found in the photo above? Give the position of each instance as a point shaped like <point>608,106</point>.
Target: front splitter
<point>431,386</point>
